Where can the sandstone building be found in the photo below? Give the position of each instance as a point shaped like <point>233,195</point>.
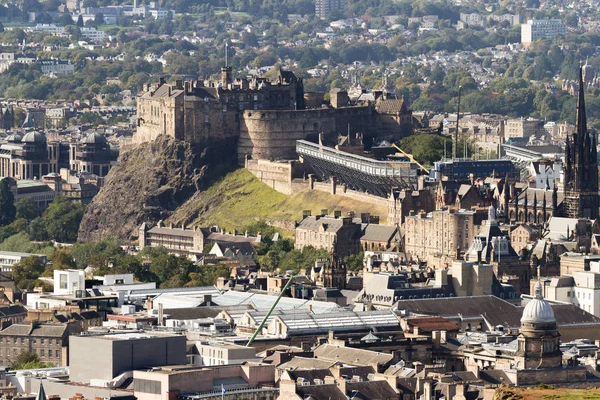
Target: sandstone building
<point>261,118</point>
<point>439,235</point>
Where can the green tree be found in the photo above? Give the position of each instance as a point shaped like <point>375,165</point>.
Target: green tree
<point>27,271</point>
<point>27,209</point>
<point>62,219</point>
<point>80,21</point>
<point>8,210</point>
<point>29,360</point>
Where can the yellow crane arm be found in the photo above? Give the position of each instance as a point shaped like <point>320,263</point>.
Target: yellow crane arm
<point>411,158</point>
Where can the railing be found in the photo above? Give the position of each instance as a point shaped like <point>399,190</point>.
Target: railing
<point>356,162</point>
<point>217,393</point>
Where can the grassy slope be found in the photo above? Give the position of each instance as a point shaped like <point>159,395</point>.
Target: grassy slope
<point>239,199</point>
<point>537,393</point>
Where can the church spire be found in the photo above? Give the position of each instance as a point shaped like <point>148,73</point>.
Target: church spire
<point>581,119</point>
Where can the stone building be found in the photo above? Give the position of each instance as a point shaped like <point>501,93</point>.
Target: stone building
<point>28,157</point>
<point>492,246</point>
<point>262,119</point>
<point>336,234</point>
<point>196,111</point>
<point>524,235</point>
<point>188,242</point>
<point>48,341</point>
<point>93,155</point>
<point>402,202</point>
<point>439,235</point>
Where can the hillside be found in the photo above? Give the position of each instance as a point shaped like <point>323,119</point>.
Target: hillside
<point>168,180</point>
<point>239,198</point>
<point>147,184</point>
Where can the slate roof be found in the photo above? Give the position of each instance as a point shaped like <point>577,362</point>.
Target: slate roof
<point>348,355</point>
<point>389,106</point>
<point>9,311</point>
<point>372,390</point>
<point>320,392</point>
<point>378,233</point>
<point>494,309</point>
<point>41,330</point>
<point>306,363</point>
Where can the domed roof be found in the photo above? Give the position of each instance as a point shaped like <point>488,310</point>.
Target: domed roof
<point>16,138</point>
<point>94,138</point>
<point>34,137</point>
<point>538,310</point>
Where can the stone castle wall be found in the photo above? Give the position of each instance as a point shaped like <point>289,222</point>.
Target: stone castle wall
<point>272,135</point>
<point>278,175</point>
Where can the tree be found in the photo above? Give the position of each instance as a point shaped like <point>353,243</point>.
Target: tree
<point>27,209</point>
<point>62,219</point>
<point>28,360</point>
<point>99,19</point>
<point>7,204</point>
<point>80,21</point>
<point>27,271</point>
<point>65,20</point>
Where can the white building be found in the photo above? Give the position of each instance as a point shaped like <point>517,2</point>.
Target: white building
<point>581,289</point>
<point>535,29</point>
<point>220,353</point>
<point>69,282</point>
<point>56,67</point>
<point>544,173</point>
<point>93,34</point>
<point>10,258</point>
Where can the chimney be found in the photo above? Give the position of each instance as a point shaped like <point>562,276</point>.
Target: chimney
<point>170,225</point>
<point>435,337</point>
<point>160,314</point>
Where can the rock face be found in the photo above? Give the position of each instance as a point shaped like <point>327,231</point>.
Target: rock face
<point>147,184</point>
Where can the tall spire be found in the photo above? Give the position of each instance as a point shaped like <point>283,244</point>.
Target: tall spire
<point>581,119</point>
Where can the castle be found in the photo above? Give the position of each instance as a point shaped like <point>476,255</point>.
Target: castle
<point>262,118</point>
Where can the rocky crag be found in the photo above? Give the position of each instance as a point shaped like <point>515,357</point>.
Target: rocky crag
<point>147,184</point>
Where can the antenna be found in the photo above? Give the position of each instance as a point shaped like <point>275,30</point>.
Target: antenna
<point>455,144</point>
<point>226,48</point>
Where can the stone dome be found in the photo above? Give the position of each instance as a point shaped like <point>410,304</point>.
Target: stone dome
<point>94,138</point>
<point>16,138</point>
<point>538,310</point>
<point>34,137</point>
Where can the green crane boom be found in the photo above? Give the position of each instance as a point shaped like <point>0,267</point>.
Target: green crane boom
<point>264,321</point>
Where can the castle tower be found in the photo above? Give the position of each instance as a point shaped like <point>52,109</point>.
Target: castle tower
<point>537,343</point>
<point>581,172</point>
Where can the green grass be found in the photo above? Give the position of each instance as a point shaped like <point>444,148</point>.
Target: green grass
<point>239,199</point>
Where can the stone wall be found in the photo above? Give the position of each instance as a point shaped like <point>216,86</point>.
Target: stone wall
<point>272,135</point>
<point>341,190</point>
<point>278,175</point>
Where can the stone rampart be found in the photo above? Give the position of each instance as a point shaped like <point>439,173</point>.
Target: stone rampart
<point>272,135</point>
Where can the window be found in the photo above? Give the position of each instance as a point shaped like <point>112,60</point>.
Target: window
<point>63,281</point>
<point>42,353</point>
<point>57,353</point>
<point>22,340</point>
<point>8,352</point>
<point>42,340</point>
<point>57,341</point>
<point>15,340</point>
